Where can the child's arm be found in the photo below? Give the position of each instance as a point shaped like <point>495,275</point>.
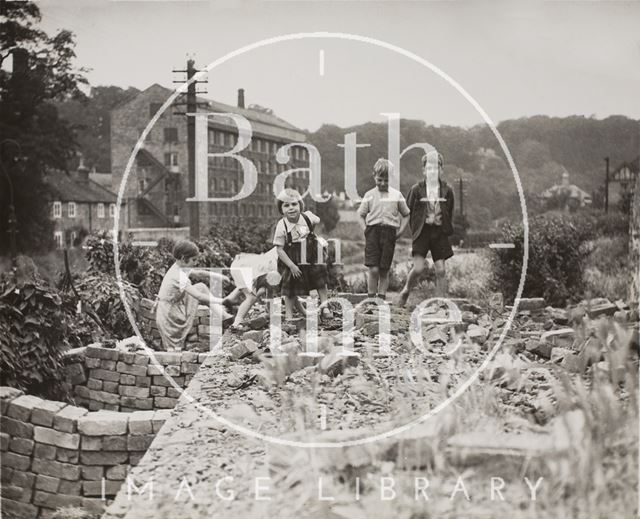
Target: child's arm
<point>363,210</point>
<point>405,212</point>
<point>203,296</point>
<point>206,274</point>
<point>284,257</point>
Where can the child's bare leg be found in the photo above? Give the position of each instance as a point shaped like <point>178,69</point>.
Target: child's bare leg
<point>383,283</point>
<point>441,279</point>
<point>373,280</point>
<point>233,296</point>
<point>288,307</point>
<point>244,307</point>
<point>299,306</point>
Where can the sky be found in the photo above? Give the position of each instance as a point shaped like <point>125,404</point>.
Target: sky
<point>513,59</point>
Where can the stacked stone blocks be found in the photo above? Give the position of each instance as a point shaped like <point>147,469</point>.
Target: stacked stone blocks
<point>56,455</point>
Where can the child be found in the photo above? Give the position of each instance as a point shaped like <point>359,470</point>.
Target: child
<point>178,298</point>
<point>253,275</point>
<point>383,216</point>
<point>431,225</point>
<point>292,231</point>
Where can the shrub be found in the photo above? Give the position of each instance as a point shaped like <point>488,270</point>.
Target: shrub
<point>555,263</point>
<point>34,331</point>
<point>103,294</point>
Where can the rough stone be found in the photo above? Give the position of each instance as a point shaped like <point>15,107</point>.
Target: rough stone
<point>557,354</point>
<point>70,488</point>
<point>45,452</point>
<point>128,380</point>
<point>100,424</point>
<point>563,337</point>
<point>75,374</point>
<point>104,397</point>
<point>119,472</point>
<point>95,488</point>
<point>21,407</point>
<point>143,381</point>
<point>157,391</point>
<point>165,402</point>
<point>56,469</point>
<point>166,358</point>
<point>102,353</point>
<point>44,412</point>
<point>93,473</point>
<point>334,363</point>
<point>5,439</point>
<point>139,442</point>
<point>103,458</point>
<point>67,455</point>
<point>114,443</point>
<point>21,446</point>
<point>240,350</point>
<point>16,427</point>
<point>131,369</point>
<point>541,349</point>
<point>47,483</point>
<point>102,374</point>
<point>531,303</point>
<point>91,443</point>
<point>598,310</point>
<point>15,509</point>
<point>7,394</point>
<point>254,335</point>
<point>133,391</point>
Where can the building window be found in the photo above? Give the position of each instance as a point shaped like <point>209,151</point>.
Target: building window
<point>100,210</point>
<point>220,138</point>
<point>71,209</point>
<point>171,158</point>
<point>57,209</point>
<point>72,238</point>
<point>153,108</point>
<point>223,185</point>
<point>112,210</point>
<point>57,236</point>
<point>171,134</point>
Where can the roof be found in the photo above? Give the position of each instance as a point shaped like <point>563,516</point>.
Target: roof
<point>248,113</point>
<point>634,165</point>
<point>66,187</point>
<point>571,190</point>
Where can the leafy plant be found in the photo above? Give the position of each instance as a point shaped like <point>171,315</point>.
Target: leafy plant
<point>34,331</point>
<point>555,263</point>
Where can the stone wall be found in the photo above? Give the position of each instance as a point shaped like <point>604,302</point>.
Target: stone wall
<point>198,338</point>
<point>56,455</point>
<point>116,380</point>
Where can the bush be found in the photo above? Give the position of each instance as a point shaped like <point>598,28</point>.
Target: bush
<point>555,263</point>
<point>34,331</point>
<point>103,294</point>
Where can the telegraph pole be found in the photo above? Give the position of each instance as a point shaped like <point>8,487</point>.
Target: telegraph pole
<point>606,185</point>
<point>191,106</point>
<point>460,190</point>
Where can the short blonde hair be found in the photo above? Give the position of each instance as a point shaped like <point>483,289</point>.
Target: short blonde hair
<point>440,159</point>
<point>382,168</point>
<point>289,195</point>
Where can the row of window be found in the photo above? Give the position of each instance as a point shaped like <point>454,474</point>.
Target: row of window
<point>267,167</point>
<point>228,140</point>
<point>224,185</point>
<point>71,210</point>
<point>226,209</point>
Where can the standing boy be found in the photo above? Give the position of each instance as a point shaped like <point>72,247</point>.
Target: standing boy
<point>431,225</point>
<point>383,215</point>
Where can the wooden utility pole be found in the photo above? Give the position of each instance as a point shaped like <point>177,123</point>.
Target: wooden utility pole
<point>192,107</point>
<point>606,185</point>
<point>460,189</point>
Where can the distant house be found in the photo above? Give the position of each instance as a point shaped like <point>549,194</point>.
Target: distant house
<point>565,196</point>
<point>79,206</point>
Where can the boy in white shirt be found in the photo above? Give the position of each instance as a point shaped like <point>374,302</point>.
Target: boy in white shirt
<point>383,215</point>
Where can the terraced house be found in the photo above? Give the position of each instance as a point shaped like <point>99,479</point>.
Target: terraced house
<point>79,206</point>
<point>156,187</point>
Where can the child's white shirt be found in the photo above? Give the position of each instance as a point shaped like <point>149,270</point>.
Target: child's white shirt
<point>299,230</point>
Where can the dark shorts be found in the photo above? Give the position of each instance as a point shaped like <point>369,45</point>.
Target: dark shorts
<point>432,239</point>
<point>380,243</point>
<point>313,277</point>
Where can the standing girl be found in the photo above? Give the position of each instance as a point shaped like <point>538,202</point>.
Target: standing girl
<point>293,232</point>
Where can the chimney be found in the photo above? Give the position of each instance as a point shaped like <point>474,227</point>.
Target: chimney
<point>83,171</point>
<point>241,98</point>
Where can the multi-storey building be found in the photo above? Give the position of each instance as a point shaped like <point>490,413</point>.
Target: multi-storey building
<point>157,185</point>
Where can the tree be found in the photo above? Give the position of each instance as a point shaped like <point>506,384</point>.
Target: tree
<point>32,135</point>
<point>328,213</point>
